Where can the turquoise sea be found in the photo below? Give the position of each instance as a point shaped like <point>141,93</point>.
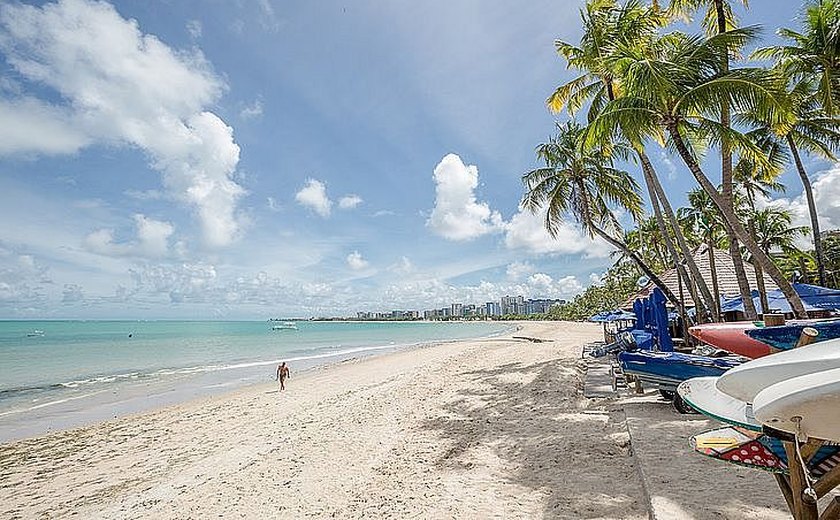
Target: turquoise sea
<point>60,374</point>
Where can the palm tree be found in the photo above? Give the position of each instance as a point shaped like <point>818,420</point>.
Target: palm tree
<point>806,127</point>
<point>706,223</point>
<point>583,183</point>
<point>773,231</point>
<point>718,19</point>
<point>814,52</point>
<point>810,65</point>
<point>752,180</point>
<point>672,88</point>
<point>605,24</point>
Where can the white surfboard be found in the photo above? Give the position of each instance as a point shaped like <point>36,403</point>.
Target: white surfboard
<point>702,395</point>
<point>813,397</point>
<point>745,381</point>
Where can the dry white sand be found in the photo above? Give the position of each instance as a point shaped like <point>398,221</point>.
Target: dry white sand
<point>495,428</point>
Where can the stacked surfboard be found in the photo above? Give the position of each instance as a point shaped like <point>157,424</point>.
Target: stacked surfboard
<point>794,393</point>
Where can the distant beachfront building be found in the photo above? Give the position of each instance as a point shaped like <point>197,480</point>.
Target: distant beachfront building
<point>512,305</point>
<point>492,309</point>
<point>541,306</point>
<point>456,310</point>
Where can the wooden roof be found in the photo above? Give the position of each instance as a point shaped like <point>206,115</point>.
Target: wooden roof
<point>727,282</point>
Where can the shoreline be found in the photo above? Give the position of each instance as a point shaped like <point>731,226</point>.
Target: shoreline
<point>134,396</point>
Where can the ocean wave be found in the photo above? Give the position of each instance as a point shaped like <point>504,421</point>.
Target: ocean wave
<point>164,373</point>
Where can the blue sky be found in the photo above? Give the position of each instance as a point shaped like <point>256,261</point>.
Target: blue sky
<point>255,158</point>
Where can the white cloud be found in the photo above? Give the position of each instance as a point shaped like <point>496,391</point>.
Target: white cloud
<point>314,196</point>
<point>72,293</point>
<point>826,187</point>
<point>349,201</point>
<point>152,240</point>
<point>518,270</point>
<point>22,282</point>
<point>434,292</point>
<point>252,111</point>
<point>402,267</point>
<point>356,262</point>
<point>527,231</point>
<point>194,28</point>
<point>457,215</point>
<point>123,87</point>
<point>32,126</point>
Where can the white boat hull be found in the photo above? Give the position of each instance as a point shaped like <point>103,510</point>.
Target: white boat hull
<point>702,395</point>
<point>815,398</point>
<point>744,382</point>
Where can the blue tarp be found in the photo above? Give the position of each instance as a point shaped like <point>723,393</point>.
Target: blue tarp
<point>814,297</point>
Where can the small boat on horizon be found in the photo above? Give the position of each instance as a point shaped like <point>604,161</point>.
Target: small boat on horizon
<point>288,325</point>
<point>35,333</point>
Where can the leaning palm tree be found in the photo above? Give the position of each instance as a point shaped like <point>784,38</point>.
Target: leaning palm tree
<point>718,18</point>
<point>583,183</point>
<point>673,86</point>
<point>605,23</point>
<point>753,180</point>
<point>806,128</point>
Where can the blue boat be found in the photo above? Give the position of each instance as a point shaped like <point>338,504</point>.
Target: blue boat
<point>668,369</point>
<point>785,337</point>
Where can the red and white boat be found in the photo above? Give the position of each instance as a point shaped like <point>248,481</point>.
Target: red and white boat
<point>730,336</point>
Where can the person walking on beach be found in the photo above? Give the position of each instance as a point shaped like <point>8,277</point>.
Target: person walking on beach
<point>282,374</point>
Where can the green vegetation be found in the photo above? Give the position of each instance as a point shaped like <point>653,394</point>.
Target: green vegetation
<point>645,87</point>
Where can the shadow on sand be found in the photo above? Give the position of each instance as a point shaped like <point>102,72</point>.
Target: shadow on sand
<point>573,451</point>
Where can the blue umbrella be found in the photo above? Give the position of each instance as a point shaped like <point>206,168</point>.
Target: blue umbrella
<point>814,298</point>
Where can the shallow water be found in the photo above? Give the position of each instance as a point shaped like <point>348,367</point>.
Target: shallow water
<point>59,374</point>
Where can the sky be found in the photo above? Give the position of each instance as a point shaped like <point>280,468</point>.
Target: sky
<point>244,159</point>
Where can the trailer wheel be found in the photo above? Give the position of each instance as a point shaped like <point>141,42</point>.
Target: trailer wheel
<point>681,406</point>
<point>668,395</point>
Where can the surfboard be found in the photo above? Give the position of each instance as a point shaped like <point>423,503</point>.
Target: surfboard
<point>730,336</point>
<point>744,382</point>
<point>701,394</point>
<point>743,448</point>
<point>815,398</point>
<point>756,450</point>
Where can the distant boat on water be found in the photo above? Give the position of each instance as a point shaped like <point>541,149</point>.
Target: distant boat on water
<point>287,325</point>
<point>35,333</point>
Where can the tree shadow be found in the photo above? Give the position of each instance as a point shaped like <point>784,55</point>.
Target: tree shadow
<point>551,439</point>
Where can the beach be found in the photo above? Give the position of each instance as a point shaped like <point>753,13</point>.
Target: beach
<point>489,428</point>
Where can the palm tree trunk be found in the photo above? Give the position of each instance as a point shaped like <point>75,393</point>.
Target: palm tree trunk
<point>759,276</point>
<point>666,238</point>
<point>741,274</point>
<point>727,183</point>
<point>812,210</point>
<point>713,270</point>
<point>686,251</point>
<point>621,246</point>
<point>759,257</point>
